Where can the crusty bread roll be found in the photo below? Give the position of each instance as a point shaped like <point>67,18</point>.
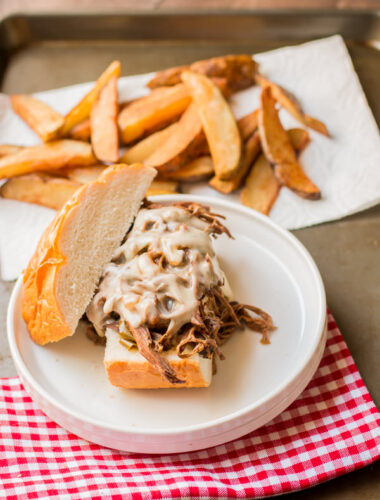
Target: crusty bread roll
<point>64,271</point>
<point>130,370</point>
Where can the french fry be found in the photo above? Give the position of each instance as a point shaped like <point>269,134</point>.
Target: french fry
<point>9,149</point>
<point>103,119</point>
<point>222,84</point>
<point>50,156</point>
<point>38,115</point>
<point>287,101</point>
<point>152,112</point>
<point>197,170</point>
<point>81,131</point>
<point>83,109</point>
<point>218,122</point>
<point>299,138</point>
<point>143,149</point>
<point>186,142</point>
<point>251,149</point>
<point>248,124</point>
<point>279,151</point>
<point>261,186</point>
<point>239,70</point>
<point>84,175</point>
<point>41,189</point>
<point>162,187</point>
<point>147,146</point>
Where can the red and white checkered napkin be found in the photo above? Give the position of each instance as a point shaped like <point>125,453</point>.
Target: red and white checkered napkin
<point>332,428</point>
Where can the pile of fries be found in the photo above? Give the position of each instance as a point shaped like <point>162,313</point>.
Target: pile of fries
<point>184,128</point>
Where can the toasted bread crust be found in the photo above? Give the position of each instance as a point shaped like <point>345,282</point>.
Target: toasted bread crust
<point>40,305</point>
<point>142,375</point>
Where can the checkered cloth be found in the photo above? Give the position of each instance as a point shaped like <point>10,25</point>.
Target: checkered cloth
<point>331,429</point>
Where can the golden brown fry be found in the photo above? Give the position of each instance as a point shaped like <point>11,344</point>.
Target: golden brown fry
<point>38,115</point>
<point>279,151</point>
<point>248,124</point>
<point>261,187</point>
<point>162,187</point>
<point>146,147</point>
<point>103,118</point>
<point>42,189</point>
<point>84,175</point>
<point>187,141</point>
<point>167,77</point>
<point>222,84</point>
<point>251,149</point>
<point>315,124</point>
<point>239,70</point>
<point>299,138</point>
<point>152,112</point>
<point>197,170</point>
<point>218,122</point>
<point>82,131</point>
<point>290,103</point>
<point>83,109</point>
<point>50,156</point>
<point>9,149</point>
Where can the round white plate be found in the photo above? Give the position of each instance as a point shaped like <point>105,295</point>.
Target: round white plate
<point>267,267</point>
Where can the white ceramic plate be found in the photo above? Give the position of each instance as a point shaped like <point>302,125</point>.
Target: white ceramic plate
<point>267,267</point>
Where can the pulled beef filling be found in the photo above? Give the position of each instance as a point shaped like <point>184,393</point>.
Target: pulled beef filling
<point>164,288</point>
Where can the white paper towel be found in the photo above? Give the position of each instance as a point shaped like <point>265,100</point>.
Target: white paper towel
<point>346,167</point>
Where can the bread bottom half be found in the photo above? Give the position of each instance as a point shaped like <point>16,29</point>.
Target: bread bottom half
<point>130,370</point>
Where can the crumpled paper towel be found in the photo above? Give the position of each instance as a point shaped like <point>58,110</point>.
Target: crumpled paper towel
<point>320,74</point>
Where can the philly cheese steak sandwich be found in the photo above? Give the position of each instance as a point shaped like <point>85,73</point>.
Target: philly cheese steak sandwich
<point>147,278</point>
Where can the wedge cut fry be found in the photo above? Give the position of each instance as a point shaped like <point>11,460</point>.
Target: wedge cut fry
<point>248,124</point>
<point>239,71</point>
<point>197,170</point>
<point>50,156</point>
<point>153,112</point>
<point>218,122</point>
<point>251,149</point>
<point>38,115</point>
<point>163,187</point>
<point>290,103</point>
<point>9,149</point>
<point>279,151</point>
<point>261,187</point>
<point>186,142</point>
<point>299,138</point>
<point>81,131</point>
<point>41,189</point>
<point>103,118</point>
<point>84,175</point>
<point>146,147</point>
<point>315,124</point>
<point>83,109</point>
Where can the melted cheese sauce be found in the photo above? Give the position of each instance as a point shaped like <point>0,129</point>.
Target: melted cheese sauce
<point>158,275</point>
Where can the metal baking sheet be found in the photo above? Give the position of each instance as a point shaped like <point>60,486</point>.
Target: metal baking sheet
<point>39,52</point>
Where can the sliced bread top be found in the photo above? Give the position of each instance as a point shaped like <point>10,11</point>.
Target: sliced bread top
<point>63,273</point>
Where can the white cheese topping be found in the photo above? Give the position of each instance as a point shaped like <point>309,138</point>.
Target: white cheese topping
<point>158,275</point>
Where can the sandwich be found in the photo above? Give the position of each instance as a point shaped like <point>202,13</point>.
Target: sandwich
<point>144,276</point>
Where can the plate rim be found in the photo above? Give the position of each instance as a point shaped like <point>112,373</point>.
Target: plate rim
<point>216,422</point>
